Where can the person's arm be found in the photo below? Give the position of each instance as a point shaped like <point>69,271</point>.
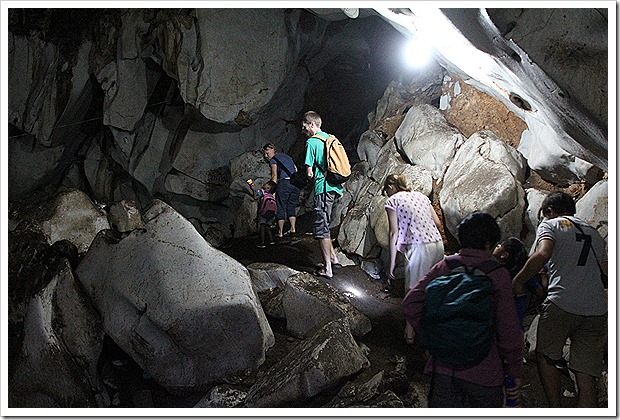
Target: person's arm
<point>253,188</point>
<point>309,160</point>
<point>274,172</point>
<point>393,234</point>
<point>535,263</point>
<point>435,217</point>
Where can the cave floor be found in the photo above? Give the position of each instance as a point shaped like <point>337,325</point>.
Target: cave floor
<point>385,341</point>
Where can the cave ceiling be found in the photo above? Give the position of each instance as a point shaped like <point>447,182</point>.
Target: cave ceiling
<point>535,61</point>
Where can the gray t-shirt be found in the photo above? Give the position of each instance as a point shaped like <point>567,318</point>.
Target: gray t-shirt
<point>574,276</point>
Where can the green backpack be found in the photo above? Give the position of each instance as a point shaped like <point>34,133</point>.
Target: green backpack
<point>457,326</point>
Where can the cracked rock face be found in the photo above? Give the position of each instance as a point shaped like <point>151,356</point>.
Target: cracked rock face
<point>174,303</point>
<point>486,175</point>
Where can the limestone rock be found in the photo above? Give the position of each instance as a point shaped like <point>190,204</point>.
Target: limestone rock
<point>487,175</point>
<point>214,186</point>
<point>470,111</point>
<point>79,326</point>
<point>364,224</point>
<point>219,77</point>
<point>222,397</point>
<point>245,220</point>
<point>150,159</point>
<point>534,198</point>
<point>309,304</point>
<point>184,311</point>
<point>552,162</point>
<point>248,165</point>
<point>266,276</point>
<point>352,394</point>
<point>355,235</point>
<point>124,84</point>
<point>399,96</point>
<point>59,327</point>
<point>33,98</point>
<point>30,164</point>
<point>369,145</point>
<point>593,208</point>
<point>69,214</point>
<point>315,365</point>
<point>427,139</point>
<point>124,216</point>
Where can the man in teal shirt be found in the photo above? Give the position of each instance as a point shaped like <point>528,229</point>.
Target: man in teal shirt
<point>324,193</point>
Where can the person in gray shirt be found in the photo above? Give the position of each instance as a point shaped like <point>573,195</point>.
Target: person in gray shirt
<point>576,303</point>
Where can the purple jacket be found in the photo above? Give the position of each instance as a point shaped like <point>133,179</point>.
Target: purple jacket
<point>506,355</point>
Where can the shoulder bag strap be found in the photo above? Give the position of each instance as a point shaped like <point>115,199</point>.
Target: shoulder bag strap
<point>283,166</point>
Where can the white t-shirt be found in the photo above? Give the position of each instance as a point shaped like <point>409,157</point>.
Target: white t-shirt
<point>574,276</point>
<point>415,220</point>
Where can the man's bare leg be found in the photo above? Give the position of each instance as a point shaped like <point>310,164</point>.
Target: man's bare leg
<point>587,395</point>
<point>550,379</point>
<point>327,250</point>
<point>332,255</point>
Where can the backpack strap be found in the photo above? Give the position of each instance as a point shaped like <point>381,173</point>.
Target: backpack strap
<point>454,261</point>
<point>324,140</point>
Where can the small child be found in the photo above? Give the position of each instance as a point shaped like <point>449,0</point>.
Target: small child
<point>512,254</point>
<point>266,210</point>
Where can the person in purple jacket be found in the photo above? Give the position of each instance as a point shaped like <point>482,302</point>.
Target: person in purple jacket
<point>481,385</point>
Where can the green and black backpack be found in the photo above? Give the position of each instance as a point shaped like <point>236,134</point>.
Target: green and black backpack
<point>457,326</point>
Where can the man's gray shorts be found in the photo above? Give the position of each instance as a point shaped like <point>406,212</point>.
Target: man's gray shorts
<point>323,205</point>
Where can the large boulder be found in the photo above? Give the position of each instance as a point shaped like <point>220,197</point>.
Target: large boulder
<point>369,145</point>
<point>69,214</point>
<point>427,139</point>
<point>62,340</point>
<point>309,304</point>
<point>317,364</point>
<point>184,311</point>
<point>267,276</point>
<point>219,77</point>
<point>487,175</point>
<point>534,199</point>
<point>593,208</point>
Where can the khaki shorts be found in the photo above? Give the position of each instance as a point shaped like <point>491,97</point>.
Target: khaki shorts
<point>588,338</point>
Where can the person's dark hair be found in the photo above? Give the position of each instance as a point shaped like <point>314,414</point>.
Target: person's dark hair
<point>517,255</point>
<point>269,146</point>
<point>560,202</point>
<point>478,230</point>
<point>270,186</point>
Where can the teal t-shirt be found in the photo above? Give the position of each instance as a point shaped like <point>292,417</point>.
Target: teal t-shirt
<point>315,157</point>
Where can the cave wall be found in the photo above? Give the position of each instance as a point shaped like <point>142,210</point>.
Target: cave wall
<point>159,103</point>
